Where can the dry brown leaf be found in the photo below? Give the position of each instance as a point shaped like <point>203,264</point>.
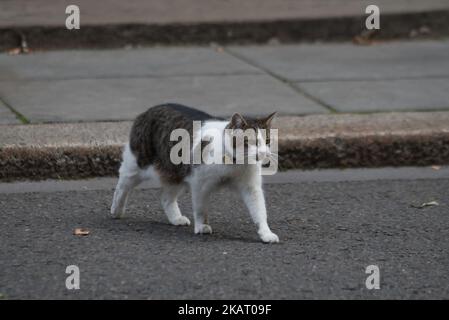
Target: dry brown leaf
<point>14,51</point>
<point>366,38</point>
<point>17,51</point>
<point>81,232</point>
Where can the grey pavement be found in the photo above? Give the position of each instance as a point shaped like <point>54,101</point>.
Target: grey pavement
<point>116,24</point>
<point>122,63</point>
<point>125,98</point>
<point>319,62</point>
<point>388,95</point>
<point>94,85</point>
<point>400,76</point>
<point>50,13</point>
<point>330,232</point>
<point>6,116</point>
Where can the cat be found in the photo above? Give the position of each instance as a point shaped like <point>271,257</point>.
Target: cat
<point>148,156</point>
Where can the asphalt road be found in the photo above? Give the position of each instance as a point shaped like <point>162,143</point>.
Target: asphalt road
<point>330,231</point>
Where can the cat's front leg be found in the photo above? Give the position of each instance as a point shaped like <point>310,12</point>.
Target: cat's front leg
<point>169,202</point>
<point>253,197</point>
<point>200,196</point>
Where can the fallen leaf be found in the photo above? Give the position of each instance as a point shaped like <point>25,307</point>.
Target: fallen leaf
<point>14,51</point>
<point>17,51</point>
<point>426,204</point>
<point>366,38</point>
<point>81,232</point>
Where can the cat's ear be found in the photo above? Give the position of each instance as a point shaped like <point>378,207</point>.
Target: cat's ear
<point>237,121</point>
<point>268,119</point>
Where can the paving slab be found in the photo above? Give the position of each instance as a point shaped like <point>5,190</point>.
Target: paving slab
<point>114,23</point>
<point>143,62</point>
<point>386,95</point>
<point>125,98</point>
<point>86,85</point>
<point>6,116</point>
<point>347,61</point>
<point>48,12</point>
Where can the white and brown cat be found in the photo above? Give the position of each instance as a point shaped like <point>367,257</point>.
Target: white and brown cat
<point>147,156</point>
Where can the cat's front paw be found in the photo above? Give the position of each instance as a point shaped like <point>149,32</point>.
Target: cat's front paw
<point>203,229</point>
<point>180,221</point>
<point>116,213</point>
<point>269,237</point>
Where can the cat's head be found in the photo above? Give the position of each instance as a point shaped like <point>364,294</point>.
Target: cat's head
<point>249,137</point>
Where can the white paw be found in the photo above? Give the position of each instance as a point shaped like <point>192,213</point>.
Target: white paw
<point>269,237</point>
<point>116,213</point>
<point>203,229</point>
<point>180,221</point>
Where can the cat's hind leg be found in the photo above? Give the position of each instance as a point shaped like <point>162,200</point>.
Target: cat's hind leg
<point>121,194</point>
<point>130,177</point>
<point>170,193</point>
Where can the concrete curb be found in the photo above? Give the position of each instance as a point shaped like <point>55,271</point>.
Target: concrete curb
<point>82,150</point>
<point>394,25</point>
